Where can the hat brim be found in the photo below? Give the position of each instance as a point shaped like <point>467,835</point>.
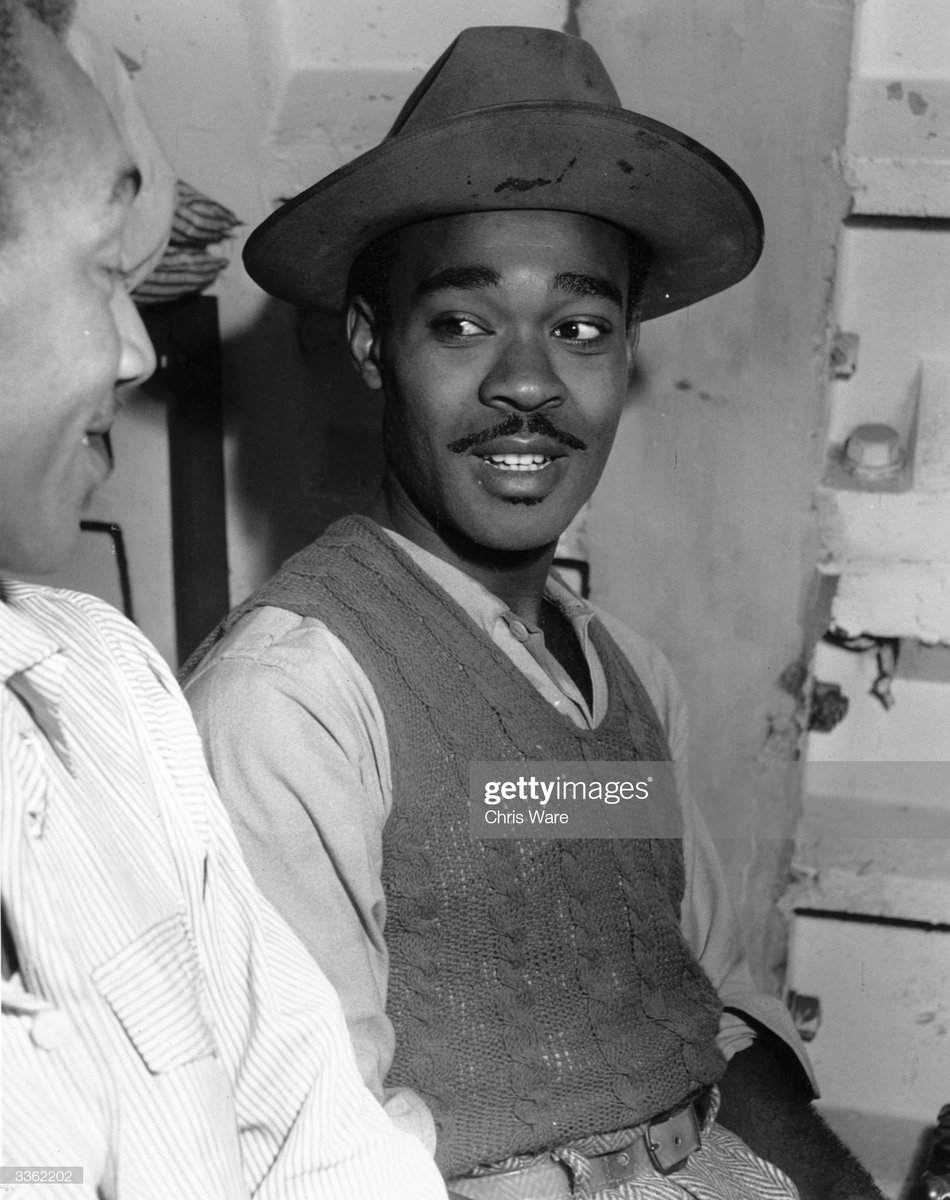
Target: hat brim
<point>701,222</point>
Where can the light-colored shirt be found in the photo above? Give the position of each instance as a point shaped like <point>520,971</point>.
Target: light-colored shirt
<point>164,1030</point>
<point>297,742</point>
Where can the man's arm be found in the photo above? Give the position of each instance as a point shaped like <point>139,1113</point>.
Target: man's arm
<point>296,743</point>
<point>766,1101</point>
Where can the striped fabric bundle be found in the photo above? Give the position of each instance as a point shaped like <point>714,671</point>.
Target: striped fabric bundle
<point>187,266</point>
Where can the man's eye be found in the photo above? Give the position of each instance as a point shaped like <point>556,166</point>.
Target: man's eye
<point>582,333</point>
<point>457,328</point>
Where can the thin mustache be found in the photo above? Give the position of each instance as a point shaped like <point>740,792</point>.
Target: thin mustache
<point>514,424</point>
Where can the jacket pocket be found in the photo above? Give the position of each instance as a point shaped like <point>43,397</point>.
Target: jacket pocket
<point>154,987</point>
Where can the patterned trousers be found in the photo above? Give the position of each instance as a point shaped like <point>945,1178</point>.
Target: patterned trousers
<point>723,1169</point>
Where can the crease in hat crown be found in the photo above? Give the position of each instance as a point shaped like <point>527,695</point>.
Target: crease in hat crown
<point>512,117</point>
<point>509,64</point>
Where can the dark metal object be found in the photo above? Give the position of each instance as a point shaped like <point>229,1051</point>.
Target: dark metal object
<point>114,531</point>
<point>887,650</point>
<point>582,567</point>
<point>672,1141</point>
<point>806,1013</point>
<point>829,706</point>
<point>186,342</point>
<point>936,1177</point>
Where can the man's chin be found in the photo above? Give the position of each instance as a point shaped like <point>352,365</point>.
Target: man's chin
<point>40,553</point>
<point>526,523</point>
<point>517,532</point>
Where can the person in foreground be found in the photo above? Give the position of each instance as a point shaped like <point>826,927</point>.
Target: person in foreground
<point>553,1018</point>
<point>164,1034</point>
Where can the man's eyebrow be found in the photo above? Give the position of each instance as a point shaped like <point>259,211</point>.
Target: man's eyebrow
<point>579,284</point>
<point>458,279</point>
<point>127,186</point>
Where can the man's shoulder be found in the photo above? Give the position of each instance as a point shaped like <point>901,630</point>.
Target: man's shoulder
<point>296,613</point>
<point>272,651</point>
<point>274,668</point>
<point>76,619</point>
<point>100,642</point>
<point>270,635</point>
<point>45,597</point>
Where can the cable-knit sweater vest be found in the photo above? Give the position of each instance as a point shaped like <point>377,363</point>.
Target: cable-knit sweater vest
<point>540,990</point>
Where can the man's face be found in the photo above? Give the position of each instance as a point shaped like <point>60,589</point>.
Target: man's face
<point>69,333</point>
<point>504,369</point>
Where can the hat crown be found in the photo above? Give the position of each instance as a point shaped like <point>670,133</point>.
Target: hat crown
<point>506,64</point>
<point>515,117</point>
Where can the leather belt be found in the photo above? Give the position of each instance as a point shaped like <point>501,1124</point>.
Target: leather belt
<point>663,1145</point>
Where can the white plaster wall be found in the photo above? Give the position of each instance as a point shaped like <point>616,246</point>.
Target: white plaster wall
<point>898,144</point>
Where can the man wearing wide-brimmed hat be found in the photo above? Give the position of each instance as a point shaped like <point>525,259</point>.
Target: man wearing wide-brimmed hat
<point>553,1017</point>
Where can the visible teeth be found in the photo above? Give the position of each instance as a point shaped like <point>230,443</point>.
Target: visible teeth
<point>519,462</point>
<point>85,439</point>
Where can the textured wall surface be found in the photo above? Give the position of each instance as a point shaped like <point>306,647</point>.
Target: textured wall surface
<point>702,534</point>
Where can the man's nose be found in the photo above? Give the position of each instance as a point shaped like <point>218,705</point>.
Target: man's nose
<point>137,356</point>
<point>523,377</point>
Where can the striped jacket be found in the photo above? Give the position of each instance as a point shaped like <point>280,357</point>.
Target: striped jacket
<point>165,1031</point>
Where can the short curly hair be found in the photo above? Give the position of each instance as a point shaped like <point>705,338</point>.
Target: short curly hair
<point>22,107</point>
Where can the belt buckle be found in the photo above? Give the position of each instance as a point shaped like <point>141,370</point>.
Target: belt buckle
<point>671,1141</point>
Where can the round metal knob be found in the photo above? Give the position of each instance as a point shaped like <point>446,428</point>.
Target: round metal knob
<point>874,451</point>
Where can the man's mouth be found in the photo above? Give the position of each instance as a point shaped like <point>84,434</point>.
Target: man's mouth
<point>99,443</point>
<point>518,462</point>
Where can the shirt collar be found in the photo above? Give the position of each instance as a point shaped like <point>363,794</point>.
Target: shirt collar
<point>482,605</point>
<point>23,642</point>
<point>490,614</point>
<point>33,666</point>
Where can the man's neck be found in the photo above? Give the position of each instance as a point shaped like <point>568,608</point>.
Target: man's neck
<point>516,577</point>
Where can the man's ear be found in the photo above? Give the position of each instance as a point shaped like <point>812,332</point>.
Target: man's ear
<point>363,336</point>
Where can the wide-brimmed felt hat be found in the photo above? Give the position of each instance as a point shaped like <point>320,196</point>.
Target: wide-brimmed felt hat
<point>519,118</point>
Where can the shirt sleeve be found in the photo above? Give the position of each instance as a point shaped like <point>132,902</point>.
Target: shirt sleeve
<point>708,920</point>
<point>296,743</point>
